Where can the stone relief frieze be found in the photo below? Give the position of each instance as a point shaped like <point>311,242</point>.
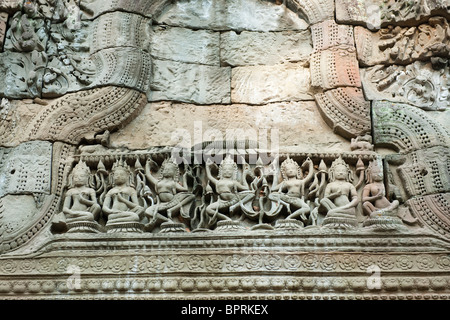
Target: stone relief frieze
<point>151,192</point>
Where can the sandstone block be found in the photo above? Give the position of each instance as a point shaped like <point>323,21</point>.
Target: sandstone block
<point>19,212</point>
<point>264,84</point>
<point>267,47</point>
<point>22,74</point>
<point>231,15</point>
<point>406,128</point>
<point>402,45</point>
<point>329,34</point>
<point>26,168</point>
<point>292,126</point>
<point>119,29</point>
<point>185,45</point>
<point>335,68</point>
<point>189,82</point>
<point>346,111</point>
<point>91,9</point>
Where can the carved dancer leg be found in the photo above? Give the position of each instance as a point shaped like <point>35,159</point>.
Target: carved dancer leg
<point>179,207</point>
<point>123,217</point>
<point>368,208</point>
<point>300,213</point>
<point>213,211</point>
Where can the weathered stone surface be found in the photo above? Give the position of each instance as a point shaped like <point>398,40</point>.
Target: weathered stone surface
<point>264,84</point>
<point>17,212</point>
<point>299,124</point>
<point>134,64</point>
<point>425,172</point>
<point>185,45</point>
<point>119,29</point>
<point>232,15</point>
<point>373,14</point>
<point>26,168</point>
<point>335,68</point>
<point>402,45</point>
<point>11,6</point>
<point>70,118</point>
<point>102,65</point>
<point>441,117</point>
<point>418,84</point>
<point>358,12</point>
<point>73,73</point>
<point>84,114</point>
<point>268,48</point>
<point>91,9</point>
<point>328,34</point>
<point>434,211</point>
<point>22,74</point>
<point>189,82</point>
<point>14,116</point>
<point>27,31</point>
<point>313,11</point>
<point>3,21</point>
<point>406,128</point>
<point>346,111</point>
<point>87,56</point>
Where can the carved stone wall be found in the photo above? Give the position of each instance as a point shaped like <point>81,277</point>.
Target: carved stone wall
<point>243,149</point>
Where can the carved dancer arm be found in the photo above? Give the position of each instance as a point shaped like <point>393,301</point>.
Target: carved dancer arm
<point>130,204</point>
<point>106,205</point>
<point>354,199</point>
<point>241,187</point>
<point>67,204</point>
<point>366,195</point>
<point>148,173</point>
<point>310,170</point>
<point>208,172</point>
<point>181,188</point>
<point>87,201</point>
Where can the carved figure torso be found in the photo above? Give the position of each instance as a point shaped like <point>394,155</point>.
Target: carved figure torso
<point>121,202</point>
<point>119,193</point>
<point>78,197</point>
<point>376,189</point>
<point>226,189</point>
<point>293,187</point>
<point>339,192</point>
<point>166,189</point>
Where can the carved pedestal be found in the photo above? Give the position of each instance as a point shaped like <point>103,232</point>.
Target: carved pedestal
<point>288,224</point>
<point>133,227</point>
<point>340,222</point>
<point>168,227</point>
<point>384,223</point>
<point>88,227</point>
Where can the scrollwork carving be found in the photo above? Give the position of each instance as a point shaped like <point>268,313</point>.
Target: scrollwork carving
<point>401,45</point>
<point>418,84</point>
